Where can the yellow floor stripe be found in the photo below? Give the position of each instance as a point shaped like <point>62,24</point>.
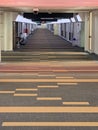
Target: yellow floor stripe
<point>26,89</point>
<point>18,74</point>
<point>44,109</point>
<point>75,103</point>
<point>64,77</point>
<point>25,95</point>
<point>67,83</point>
<point>49,98</point>
<point>75,70</point>
<point>83,70</point>
<point>38,70</point>
<point>56,63</point>
<point>82,124</point>
<point>46,75</point>
<point>50,80</point>
<point>47,86</point>
<point>6,92</point>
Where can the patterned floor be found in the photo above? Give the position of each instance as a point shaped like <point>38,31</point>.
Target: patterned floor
<point>48,94</point>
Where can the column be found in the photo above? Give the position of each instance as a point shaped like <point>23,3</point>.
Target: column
<point>90,31</point>
<point>9,17</point>
<point>56,29</point>
<point>86,40</point>
<point>1,31</point>
<point>95,32</point>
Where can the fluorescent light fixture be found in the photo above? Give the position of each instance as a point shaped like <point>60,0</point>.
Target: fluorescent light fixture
<point>63,21</point>
<point>24,20</point>
<point>67,20</point>
<point>73,19</point>
<point>79,18</point>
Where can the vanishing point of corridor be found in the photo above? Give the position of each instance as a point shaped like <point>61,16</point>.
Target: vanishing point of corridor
<point>48,84</point>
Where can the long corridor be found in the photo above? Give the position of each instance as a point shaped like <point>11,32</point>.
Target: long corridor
<point>44,45</point>
<point>48,84</point>
<point>43,40</point>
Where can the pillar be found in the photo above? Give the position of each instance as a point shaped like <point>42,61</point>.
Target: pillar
<point>90,31</point>
<point>1,31</point>
<point>56,29</point>
<point>95,32</point>
<point>9,17</point>
<point>82,32</point>
<point>87,17</point>
<point>86,31</point>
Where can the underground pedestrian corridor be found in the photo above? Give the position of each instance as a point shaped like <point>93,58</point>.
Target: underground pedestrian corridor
<point>48,84</point>
<point>44,45</point>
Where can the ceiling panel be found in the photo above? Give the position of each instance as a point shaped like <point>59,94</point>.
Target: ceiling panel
<point>47,16</point>
<point>49,3</point>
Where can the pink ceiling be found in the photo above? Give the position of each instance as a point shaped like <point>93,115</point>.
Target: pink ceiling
<point>50,3</point>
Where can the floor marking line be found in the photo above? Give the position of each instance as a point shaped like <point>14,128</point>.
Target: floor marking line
<point>70,124</point>
<point>67,83</point>
<point>50,80</point>
<point>25,95</point>
<point>64,77</point>
<point>49,98</point>
<point>30,70</point>
<point>46,75</point>
<point>47,56</point>
<point>75,103</point>
<point>75,70</point>
<point>41,70</point>
<point>48,86</point>
<point>6,92</point>
<point>44,109</point>
<point>26,89</point>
